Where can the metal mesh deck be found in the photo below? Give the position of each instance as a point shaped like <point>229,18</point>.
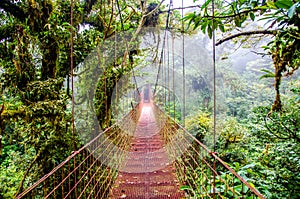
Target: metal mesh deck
<point>147,173</point>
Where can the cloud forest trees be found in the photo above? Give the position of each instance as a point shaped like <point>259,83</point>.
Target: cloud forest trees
<point>282,22</point>
<point>267,151</point>
<point>35,61</point>
<point>35,51</point>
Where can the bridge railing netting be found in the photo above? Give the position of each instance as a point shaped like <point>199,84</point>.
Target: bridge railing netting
<point>90,171</point>
<point>202,174</point>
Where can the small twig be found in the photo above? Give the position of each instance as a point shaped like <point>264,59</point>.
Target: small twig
<point>258,53</point>
<point>182,8</point>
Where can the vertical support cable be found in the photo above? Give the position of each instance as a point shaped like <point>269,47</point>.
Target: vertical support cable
<point>173,77</point>
<point>115,62</point>
<point>72,72</point>
<point>127,48</point>
<point>163,46</point>
<point>72,86</point>
<point>215,93</point>
<point>214,69</point>
<point>106,81</point>
<point>168,78</point>
<point>183,66</point>
<point>163,75</point>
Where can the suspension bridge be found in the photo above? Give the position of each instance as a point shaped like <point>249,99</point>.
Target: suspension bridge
<point>146,155</point>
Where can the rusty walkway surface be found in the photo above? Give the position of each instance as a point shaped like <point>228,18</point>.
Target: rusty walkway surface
<point>148,173</point>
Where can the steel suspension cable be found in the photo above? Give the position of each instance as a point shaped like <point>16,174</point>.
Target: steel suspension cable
<point>214,70</point>
<point>72,82</point>
<point>168,79</point>
<point>183,65</point>
<point>173,76</point>
<point>72,74</point>
<point>215,92</point>
<point>127,48</point>
<point>163,46</point>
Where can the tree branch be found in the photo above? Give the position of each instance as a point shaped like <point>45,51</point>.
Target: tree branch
<point>245,12</point>
<point>154,10</point>
<point>255,32</point>
<point>13,9</point>
<point>272,132</point>
<point>182,8</point>
<point>20,189</point>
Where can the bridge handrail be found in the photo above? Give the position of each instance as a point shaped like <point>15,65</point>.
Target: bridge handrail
<point>73,154</point>
<point>214,155</point>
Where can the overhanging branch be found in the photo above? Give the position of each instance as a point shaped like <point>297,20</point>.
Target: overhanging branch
<point>255,32</point>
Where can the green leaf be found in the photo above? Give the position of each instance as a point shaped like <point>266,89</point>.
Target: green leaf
<point>284,4</point>
<point>292,10</point>
<point>269,74</point>
<point>203,27</point>
<point>209,31</point>
<point>185,187</point>
<point>252,16</point>
<point>222,28</point>
<point>237,22</point>
<point>270,4</point>
<point>205,4</point>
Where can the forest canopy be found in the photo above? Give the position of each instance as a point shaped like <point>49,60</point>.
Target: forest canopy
<point>39,44</point>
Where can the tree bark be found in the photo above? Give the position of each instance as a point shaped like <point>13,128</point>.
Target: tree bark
<point>256,32</point>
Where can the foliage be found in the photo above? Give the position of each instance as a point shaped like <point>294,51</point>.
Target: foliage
<point>283,15</point>
<point>35,121</point>
<point>35,55</point>
<point>10,173</point>
<point>199,125</point>
<point>263,148</point>
<point>271,143</point>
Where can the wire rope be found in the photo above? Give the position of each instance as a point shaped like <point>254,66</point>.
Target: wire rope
<point>163,46</point>
<point>183,66</point>
<point>131,62</point>
<point>215,92</point>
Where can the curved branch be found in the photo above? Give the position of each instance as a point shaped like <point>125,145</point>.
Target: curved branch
<point>20,189</point>
<point>293,133</point>
<point>272,132</point>
<point>154,10</point>
<point>255,32</point>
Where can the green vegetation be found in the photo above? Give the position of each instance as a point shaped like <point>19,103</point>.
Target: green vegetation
<point>258,119</point>
<point>257,137</point>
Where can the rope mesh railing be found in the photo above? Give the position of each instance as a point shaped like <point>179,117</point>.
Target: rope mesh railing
<point>90,171</point>
<point>202,173</point>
